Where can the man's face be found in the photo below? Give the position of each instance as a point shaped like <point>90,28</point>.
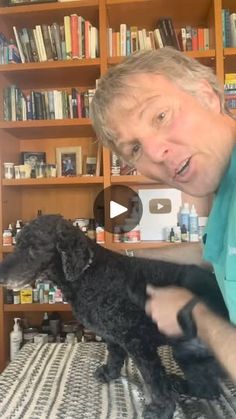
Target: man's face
<point>172,136</point>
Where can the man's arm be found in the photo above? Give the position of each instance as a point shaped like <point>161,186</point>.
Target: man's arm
<point>163,307</point>
<point>219,335</point>
<point>183,253</point>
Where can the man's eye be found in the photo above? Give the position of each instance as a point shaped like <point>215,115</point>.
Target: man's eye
<point>135,149</point>
<point>161,116</point>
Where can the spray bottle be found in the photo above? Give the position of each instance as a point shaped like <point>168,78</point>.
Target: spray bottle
<point>193,225</point>
<point>16,338</point>
<point>184,216</point>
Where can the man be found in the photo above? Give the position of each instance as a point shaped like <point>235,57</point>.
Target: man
<point>165,114</point>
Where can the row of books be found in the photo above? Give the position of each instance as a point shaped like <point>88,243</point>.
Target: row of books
<point>131,39</point>
<point>230,90</point>
<point>75,39</point>
<point>229,28</point>
<point>8,51</point>
<point>51,104</point>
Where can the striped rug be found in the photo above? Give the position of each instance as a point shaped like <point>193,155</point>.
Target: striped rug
<point>56,381</point>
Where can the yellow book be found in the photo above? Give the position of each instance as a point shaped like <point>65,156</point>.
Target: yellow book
<point>67,27</point>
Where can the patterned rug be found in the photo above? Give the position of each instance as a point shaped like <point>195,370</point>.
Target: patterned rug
<point>56,381</point>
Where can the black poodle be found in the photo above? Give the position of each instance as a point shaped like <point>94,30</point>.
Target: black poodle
<point>107,293</point>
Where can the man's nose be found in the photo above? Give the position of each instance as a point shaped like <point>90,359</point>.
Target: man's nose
<point>157,151</point>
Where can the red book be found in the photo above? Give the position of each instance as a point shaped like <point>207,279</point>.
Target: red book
<point>74,36</point>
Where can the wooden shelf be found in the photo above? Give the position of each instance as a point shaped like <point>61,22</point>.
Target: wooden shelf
<point>210,53</point>
<point>229,51</point>
<point>33,14</point>
<point>144,13</point>
<point>117,246</point>
<point>53,128</point>
<point>30,9</point>
<point>61,74</point>
<point>58,181</point>
<point>6,249</point>
<point>140,245</point>
<point>137,179</point>
<point>36,307</point>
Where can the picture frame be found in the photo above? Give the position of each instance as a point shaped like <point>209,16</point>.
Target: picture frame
<point>33,158</point>
<point>69,161</point>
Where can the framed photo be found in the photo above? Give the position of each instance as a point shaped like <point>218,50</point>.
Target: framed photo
<point>69,161</point>
<point>32,158</point>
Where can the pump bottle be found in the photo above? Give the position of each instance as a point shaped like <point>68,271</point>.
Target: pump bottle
<point>16,338</point>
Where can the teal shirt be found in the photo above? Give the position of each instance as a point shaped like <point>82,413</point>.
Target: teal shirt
<point>220,246</point>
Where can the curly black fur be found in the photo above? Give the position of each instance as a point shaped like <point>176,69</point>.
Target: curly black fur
<point>107,292</point>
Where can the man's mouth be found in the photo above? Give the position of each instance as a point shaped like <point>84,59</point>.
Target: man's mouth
<point>183,167</point>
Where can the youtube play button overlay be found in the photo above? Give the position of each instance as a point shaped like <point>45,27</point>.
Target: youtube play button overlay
<point>116,209</point>
<point>118,206</point>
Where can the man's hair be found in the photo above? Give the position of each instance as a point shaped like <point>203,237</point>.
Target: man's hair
<point>168,62</point>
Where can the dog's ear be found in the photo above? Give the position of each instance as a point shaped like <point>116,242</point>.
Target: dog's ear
<point>73,248</point>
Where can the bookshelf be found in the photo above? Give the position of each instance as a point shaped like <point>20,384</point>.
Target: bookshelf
<point>73,197</point>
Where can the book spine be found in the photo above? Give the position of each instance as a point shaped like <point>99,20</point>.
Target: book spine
<point>67,26</point>
<point>18,43</point>
<point>47,42</point>
<point>33,45</point>
<point>41,43</point>
<point>74,23</point>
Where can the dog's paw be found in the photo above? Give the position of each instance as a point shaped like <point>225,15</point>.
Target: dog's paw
<point>178,385</point>
<point>105,375</point>
<point>164,411</point>
<point>204,389</point>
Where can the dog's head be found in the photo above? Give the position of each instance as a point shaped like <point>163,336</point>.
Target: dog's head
<point>48,247</point>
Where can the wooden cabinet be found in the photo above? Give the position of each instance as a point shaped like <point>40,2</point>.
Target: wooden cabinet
<point>73,197</point>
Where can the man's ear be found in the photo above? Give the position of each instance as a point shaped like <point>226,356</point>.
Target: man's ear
<point>208,96</point>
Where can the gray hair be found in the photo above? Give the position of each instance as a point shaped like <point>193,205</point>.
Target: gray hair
<point>174,65</point>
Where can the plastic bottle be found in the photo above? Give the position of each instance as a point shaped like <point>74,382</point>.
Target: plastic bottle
<point>16,338</point>
<point>177,231</point>
<point>172,235</point>
<point>184,234</point>
<point>45,326</point>
<point>184,215</point>
<point>193,225</point>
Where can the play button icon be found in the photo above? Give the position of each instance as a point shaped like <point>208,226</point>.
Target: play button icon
<point>118,206</point>
<point>116,209</point>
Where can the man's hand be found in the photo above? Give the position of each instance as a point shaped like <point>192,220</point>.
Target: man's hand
<point>164,305</point>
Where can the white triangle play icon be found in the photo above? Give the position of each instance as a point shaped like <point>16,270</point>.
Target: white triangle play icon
<point>116,209</point>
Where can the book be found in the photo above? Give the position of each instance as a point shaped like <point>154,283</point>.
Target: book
<point>41,42</point>
<point>33,46</point>
<point>74,22</point>
<point>19,46</point>
<point>67,26</point>
<point>98,160</point>
<point>47,42</point>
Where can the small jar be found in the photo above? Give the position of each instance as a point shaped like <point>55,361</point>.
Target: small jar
<point>7,238</point>
<point>35,295</point>
<point>100,234</point>
<point>117,234</point>
<point>16,296</point>
<point>8,170</point>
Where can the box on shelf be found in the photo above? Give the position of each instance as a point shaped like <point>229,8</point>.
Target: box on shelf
<point>160,210</point>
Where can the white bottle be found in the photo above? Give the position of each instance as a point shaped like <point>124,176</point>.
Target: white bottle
<point>193,225</point>
<point>16,338</point>
<point>184,215</point>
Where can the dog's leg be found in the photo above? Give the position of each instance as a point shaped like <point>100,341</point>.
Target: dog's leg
<point>145,356</point>
<point>115,361</point>
<point>200,369</point>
